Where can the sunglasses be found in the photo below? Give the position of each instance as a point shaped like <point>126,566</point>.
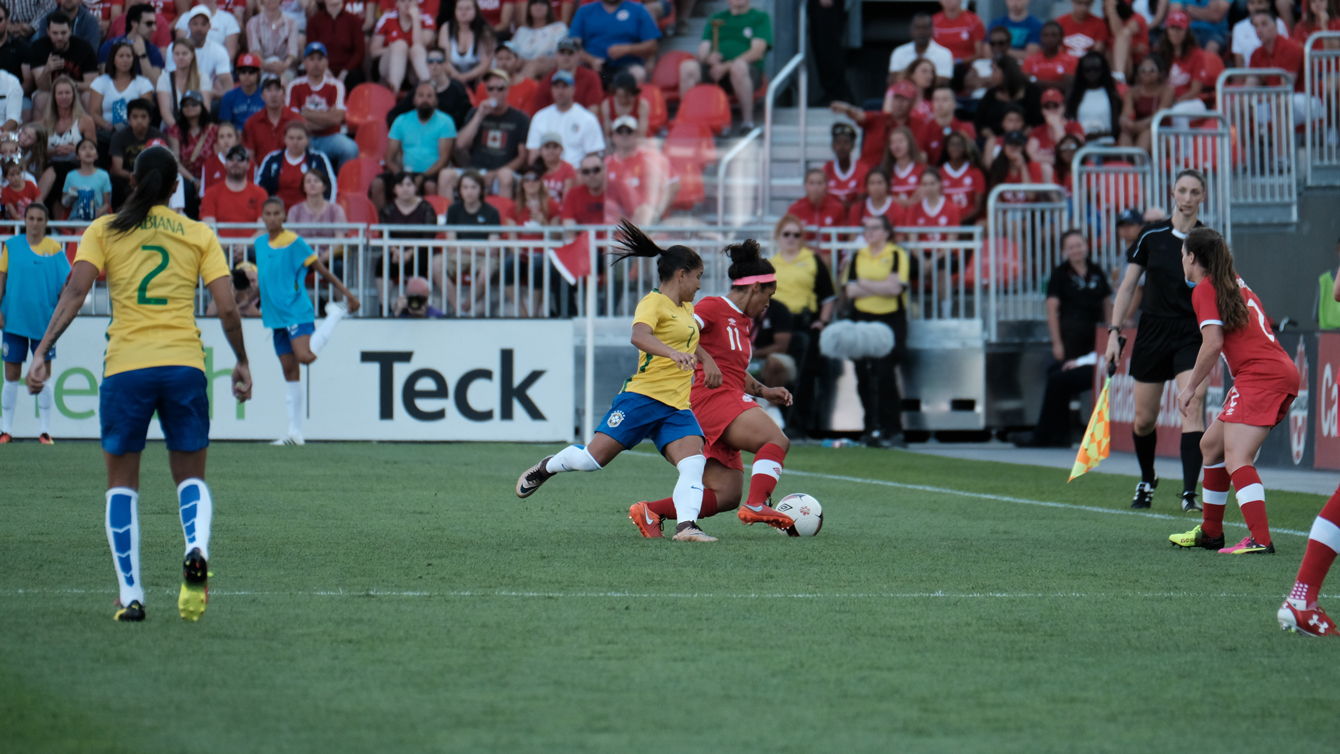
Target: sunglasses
<point>530,177</point>
<point>591,171</point>
<point>501,88</point>
<point>237,159</point>
<point>790,234</point>
<point>1000,43</point>
<point>436,60</point>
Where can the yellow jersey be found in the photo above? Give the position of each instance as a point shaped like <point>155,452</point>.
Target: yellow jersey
<point>152,273</point>
<point>46,248</point>
<point>803,284</point>
<point>656,376</point>
<point>892,259</point>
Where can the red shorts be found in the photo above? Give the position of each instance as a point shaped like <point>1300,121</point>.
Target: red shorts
<point>1255,407</point>
<point>715,410</point>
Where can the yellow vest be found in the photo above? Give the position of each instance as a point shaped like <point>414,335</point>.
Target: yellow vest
<point>892,259</point>
<point>795,281</point>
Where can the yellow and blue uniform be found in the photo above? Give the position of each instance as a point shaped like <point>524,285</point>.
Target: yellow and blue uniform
<point>655,400</point>
<point>154,360</point>
<point>286,308</point>
<point>34,278</point>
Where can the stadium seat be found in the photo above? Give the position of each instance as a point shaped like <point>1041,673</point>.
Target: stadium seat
<point>759,93</point>
<point>357,208</point>
<point>372,140</point>
<point>689,148</point>
<point>356,176</point>
<point>705,104</point>
<point>657,114</point>
<point>366,103</point>
<point>505,206</point>
<point>666,74</point>
<point>439,204</point>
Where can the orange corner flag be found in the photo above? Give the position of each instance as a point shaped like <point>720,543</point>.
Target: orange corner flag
<point>1097,441</point>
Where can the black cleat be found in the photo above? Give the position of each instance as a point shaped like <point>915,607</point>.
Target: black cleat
<point>1189,503</point>
<point>534,477</point>
<point>194,570</point>
<point>1144,493</point>
<point>132,614</point>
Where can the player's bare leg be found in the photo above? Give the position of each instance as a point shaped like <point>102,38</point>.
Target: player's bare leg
<point>755,432</point>
<point>686,454</point>
<point>1209,534</point>
<point>722,489</point>
<point>592,457</point>
<point>1241,443</point>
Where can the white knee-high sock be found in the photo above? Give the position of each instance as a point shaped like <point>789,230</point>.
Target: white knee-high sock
<point>294,400</point>
<point>334,313</point>
<point>44,400</point>
<point>197,514</point>
<point>123,535</point>
<point>9,405</point>
<point>572,458</point>
<point>688,495</point>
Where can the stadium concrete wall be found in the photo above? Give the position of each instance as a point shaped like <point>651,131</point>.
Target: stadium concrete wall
<point>392,380</point>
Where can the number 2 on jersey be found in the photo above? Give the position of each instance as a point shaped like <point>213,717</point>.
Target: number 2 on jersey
<point>144,298</point>
<point>1261,320</point>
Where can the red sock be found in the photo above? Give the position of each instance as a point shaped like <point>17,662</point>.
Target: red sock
<point>1322,545</point>
<point>666,508</point>
<point>1252,501</point>
<point>1215,499</point>
<point>767,470</point>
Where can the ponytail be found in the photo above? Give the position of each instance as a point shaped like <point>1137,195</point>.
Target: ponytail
<point>1209,249</point>
<point>155,179</point>
<point>635,243</point>
<point>746,261</point>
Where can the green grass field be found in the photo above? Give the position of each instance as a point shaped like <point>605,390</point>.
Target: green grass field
<point>400,598</point>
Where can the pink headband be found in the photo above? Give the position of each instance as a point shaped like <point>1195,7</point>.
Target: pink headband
<point>769,278</point>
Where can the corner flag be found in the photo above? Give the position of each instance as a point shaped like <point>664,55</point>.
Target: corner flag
<point>1097,442</point>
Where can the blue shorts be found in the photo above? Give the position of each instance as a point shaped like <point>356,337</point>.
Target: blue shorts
<point>284,336</point>
<point>16,348</point>
<point>127,401</point>
<point>634,416</point>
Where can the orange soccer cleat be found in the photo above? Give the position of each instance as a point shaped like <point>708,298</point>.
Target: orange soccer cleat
<point>763,514</point>
<point>648,523</point>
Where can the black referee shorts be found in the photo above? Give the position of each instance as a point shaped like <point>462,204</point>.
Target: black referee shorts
<point>1164,348</point>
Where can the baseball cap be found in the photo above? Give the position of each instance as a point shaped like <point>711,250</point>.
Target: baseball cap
<point>499,73</point>
<point>509,44</point>
<point>1179,19</point>
<point>1053,95</point>
<point>572,44</point>
<point>199,10</point>
<point>1017,138</point>
<point>238,152</point>
<point>904,89</point>
<point>625,121</point>
<point>551,137</point>
<point>844,129</point>
<point>1131,216</point>
<point>192,94</point>
<point>314,47</point>
<point>563,76</point>
<point>248,60</point>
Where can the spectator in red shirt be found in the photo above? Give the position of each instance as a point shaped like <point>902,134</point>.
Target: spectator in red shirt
<point>1277,51</point>
<point>263,132</point>
<point>903,164</point>
<point>319,97</point>
<point>639,180</point>
<point>235,199</point>
<point>1013,166</point>
<point>1150,94</point>
<point>962,177</point>
<point>1053,64</point>
<point>942,124</point>
<point>1083,30</point>
<point>587,89</point>
<point>342,34</point>
<point>875,126</point>
<point>1186,68</point>
<point>844,174</point>
<point>878,201</point>
<point>1318,15</point>
<point>585,202</point>
<point>1042,140</point>
<point>521,94</point>
<point>817,208</point>
<point>960,31</point>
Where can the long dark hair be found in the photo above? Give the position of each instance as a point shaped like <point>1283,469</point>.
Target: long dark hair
<point>913,151</point>
<point>446,14</point>
<point>1166,51</point>
<point>155,178</point>
<point>1209,249</point>
<point>1105,82</point>
<point>635,243</point>
<point>746,260</point>
<point>970,153</point>
<point>111,60</point>
<point>1012,76</point>
<point>1000,168</point>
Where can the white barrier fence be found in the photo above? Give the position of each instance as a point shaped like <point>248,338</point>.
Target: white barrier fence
<point>1321,77</point>
<point>1261,118</point>
<point>1024,226</point>
<point>946,279</point>
<point>1206,148</point>
<point>1107,181</point>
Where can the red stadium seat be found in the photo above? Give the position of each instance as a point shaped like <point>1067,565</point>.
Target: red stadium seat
<point>689,148</point>
<point>356,176</point>
<point>505,206</point>
<point>705,104</point>
<point>372,140</point>
<point>366,103</point>
<point>357,208</point>
<point>439,205</point>
<point>666,74</point>
<point>657,114</point>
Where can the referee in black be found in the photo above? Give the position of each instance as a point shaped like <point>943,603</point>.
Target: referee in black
<point>1168,338</point>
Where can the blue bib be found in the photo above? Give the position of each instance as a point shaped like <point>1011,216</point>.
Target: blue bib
<point>32,288</point>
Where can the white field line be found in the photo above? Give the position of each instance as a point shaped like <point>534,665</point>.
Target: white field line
<point>997,498</point>
<point>668,595</point>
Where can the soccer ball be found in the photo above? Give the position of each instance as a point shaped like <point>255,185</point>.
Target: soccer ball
<point>805,511</point>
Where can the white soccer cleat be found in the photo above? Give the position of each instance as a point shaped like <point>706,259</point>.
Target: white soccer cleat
<point>289,440</point>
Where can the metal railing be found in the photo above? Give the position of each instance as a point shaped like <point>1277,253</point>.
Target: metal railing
<point>1264,181</point>
<point>1107,181</point>
<point>946,276</point>
<point>1321,135</point>
<point>797,66</point>
<point>1024,226</point>
<point>1179,146</point>
<point>723,171</point>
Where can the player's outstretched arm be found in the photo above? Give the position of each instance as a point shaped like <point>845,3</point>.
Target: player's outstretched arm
<point>351,301</point>
<point>221,290</point>
<point>645,342</point>
<point>71,298</point>
<point>1211,343</point>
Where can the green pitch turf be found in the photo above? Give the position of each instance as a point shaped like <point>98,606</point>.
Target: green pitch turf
<point>399,598</point>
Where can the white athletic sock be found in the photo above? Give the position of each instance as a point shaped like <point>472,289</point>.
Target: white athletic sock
<point>294,402</point>
<point>44,405</point>
<point>334,313</point>
<point>572,458</point>
<point>197,513</point>
<point>123,535</point>
<point>688,494</point>
<point>9,405</point>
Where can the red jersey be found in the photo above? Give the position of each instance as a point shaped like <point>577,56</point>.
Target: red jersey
<point>392,30</point>
<point>1185,70</point>
<point>1287,54</point>
<point>491,10</point>
<point>261,137</point>
<point>728,337</point>
<point>1255,358</point>
<point>523,218</point>
<point>1034,176</point>
<point>875,135</point>
<point>933,137</point>
<point>427,9</point>
<point>520,95</point>
<point>891,209</point>
<point>922,215</point>
<point>584,207</point>
<point>641,178</point>
<point>290,181</point>
<point>963,187</point>
<point>1304,29</point>
<point>960,35</point>
<point>228,206</point>
<point>18,200</point>
<point>327,94</point>
<point>1047,147</point>
<point>904,181</point>
<point>845,186</point>
<point>1081,36</point>
<point>828,214</point>
<point>1050,70</point>
<point>213,174</point>
<point>553,181</point>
